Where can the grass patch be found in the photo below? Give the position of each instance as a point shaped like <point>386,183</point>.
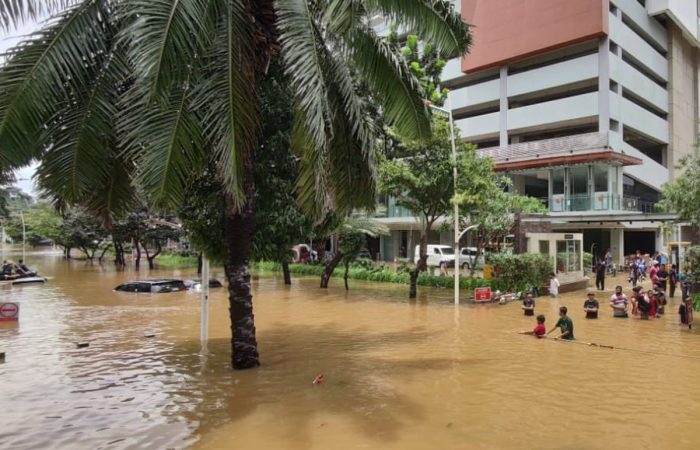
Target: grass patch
<point>176,261</point>
<point>379,274</point>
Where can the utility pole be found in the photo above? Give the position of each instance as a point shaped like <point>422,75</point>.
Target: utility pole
<point>448,113</point>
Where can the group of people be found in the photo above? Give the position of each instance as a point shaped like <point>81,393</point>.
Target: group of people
<point>645,305</point>
<point>12,270</point>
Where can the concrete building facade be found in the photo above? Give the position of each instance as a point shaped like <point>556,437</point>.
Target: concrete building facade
<point>588,105</point>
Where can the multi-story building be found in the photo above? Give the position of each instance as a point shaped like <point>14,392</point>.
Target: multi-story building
<point>588,105</point>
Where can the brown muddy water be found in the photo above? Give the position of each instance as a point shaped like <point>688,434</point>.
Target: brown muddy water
<point>398,374</point>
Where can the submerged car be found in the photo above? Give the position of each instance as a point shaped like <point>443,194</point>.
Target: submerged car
<point>152,286</point>
<point>197,284</point>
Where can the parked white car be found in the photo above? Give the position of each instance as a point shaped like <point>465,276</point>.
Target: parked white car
<point>468,256</point>
<point>438,255</point>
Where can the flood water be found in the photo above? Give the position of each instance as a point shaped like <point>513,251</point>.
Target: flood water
<point>398,374</point>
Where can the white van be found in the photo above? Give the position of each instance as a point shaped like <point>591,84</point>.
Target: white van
<point>438,255</point>
<point>467,257</point>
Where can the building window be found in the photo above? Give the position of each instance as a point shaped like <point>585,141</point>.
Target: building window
<point>568,256</point>
<point>544,248</point>
<point>600,178</point>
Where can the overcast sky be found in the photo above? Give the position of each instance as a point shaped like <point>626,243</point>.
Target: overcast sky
<point>24,176</point>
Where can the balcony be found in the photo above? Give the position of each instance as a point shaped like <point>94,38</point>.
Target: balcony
<point>567,150</point>
<point>597,202</point>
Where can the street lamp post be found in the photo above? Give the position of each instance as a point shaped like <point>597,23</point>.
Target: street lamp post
<point>24,236</point>
<point>448,113</point>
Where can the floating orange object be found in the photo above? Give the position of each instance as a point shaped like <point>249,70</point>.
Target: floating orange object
<point>318,379</point>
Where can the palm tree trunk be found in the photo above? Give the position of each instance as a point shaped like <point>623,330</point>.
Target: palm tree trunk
<point>420,267</point>
<point>345,275</point>
<point>138,254</point>
<point>330,267</point>
<point>239,226</point>
<point>287,275</point>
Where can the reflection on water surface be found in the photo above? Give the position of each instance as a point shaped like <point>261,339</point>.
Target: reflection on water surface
<point>398,374</point>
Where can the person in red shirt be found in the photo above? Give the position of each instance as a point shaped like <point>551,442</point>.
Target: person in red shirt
<point>539,331</point>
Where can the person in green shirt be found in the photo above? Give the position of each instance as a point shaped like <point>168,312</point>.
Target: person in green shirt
<point>564,324</point>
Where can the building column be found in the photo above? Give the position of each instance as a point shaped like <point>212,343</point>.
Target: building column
<point>503,107</point>
<point>617,246</point>
<point>604,86</point>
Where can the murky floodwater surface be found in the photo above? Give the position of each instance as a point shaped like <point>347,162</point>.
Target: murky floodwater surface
<point>398,374</point>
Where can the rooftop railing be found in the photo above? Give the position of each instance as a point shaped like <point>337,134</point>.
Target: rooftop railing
<point>567,145</point>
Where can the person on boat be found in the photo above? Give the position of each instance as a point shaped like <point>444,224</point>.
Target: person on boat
<point>8,268</point>
<point>23,270</point>
<point>565,324</point>
<point>529,305</point>
<point>619,303</point>
<point>539,330</point>
<point>590,306</point>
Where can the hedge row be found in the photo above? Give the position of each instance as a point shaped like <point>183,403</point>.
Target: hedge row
<point>383,275</point>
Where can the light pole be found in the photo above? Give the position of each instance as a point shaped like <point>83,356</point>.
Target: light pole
<point>448,113</point>
<point>24,236</point>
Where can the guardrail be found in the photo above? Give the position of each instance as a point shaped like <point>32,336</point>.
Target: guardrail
<point>567,145</point>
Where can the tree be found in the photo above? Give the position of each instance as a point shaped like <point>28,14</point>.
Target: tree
<point>487,205</point>
<point>351,231</point>
<point>682,194</point>
<point>280,222</point>
<point>420,179</point>
<point>425,62</point>
<point>41,222</point>
<point>83,231</point>
<point>180,81</point>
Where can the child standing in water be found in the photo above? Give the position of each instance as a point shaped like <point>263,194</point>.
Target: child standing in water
<point>539,330</point>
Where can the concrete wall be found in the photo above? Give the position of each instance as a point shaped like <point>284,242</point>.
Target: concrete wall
<point>683,98</point>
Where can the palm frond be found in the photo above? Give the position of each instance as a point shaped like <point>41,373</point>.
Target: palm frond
<point>435,21</point>
<point>43,71</point>
<point>302,52</point>
<point>164,141</point>
<point>81,136</point>
<point>225,100</point>
<point>15,13</point>
<point>165,37</point>
<point>390,77</point>
<point>364,224</point>
<point>117,195</point>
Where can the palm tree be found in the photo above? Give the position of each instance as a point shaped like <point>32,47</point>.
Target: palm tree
<point>351,231</point>
<point>114,94</point>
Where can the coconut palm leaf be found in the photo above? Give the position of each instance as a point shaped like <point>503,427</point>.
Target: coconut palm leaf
<point>165,34</point>
<point>14,13</point>
<point>43,72</point>
<point>434,20</point>
<point>224,99</point>
<point>164,145</point>
<point>390,77</point>
<point>81,136</point>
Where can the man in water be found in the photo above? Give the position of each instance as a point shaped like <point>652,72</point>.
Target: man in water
<point>590,306</point>
<point>619,303</point>
<point>564,324</point>
<point>529,305</point>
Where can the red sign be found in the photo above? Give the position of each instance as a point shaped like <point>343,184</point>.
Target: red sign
<point>482,294</point>
<point>9,312</point>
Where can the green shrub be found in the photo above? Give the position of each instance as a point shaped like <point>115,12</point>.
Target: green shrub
<point>587,261</point>
<point>378,273</point>
<point>520,272</point>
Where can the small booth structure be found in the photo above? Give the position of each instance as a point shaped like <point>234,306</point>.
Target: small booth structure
<point>565,250</point>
